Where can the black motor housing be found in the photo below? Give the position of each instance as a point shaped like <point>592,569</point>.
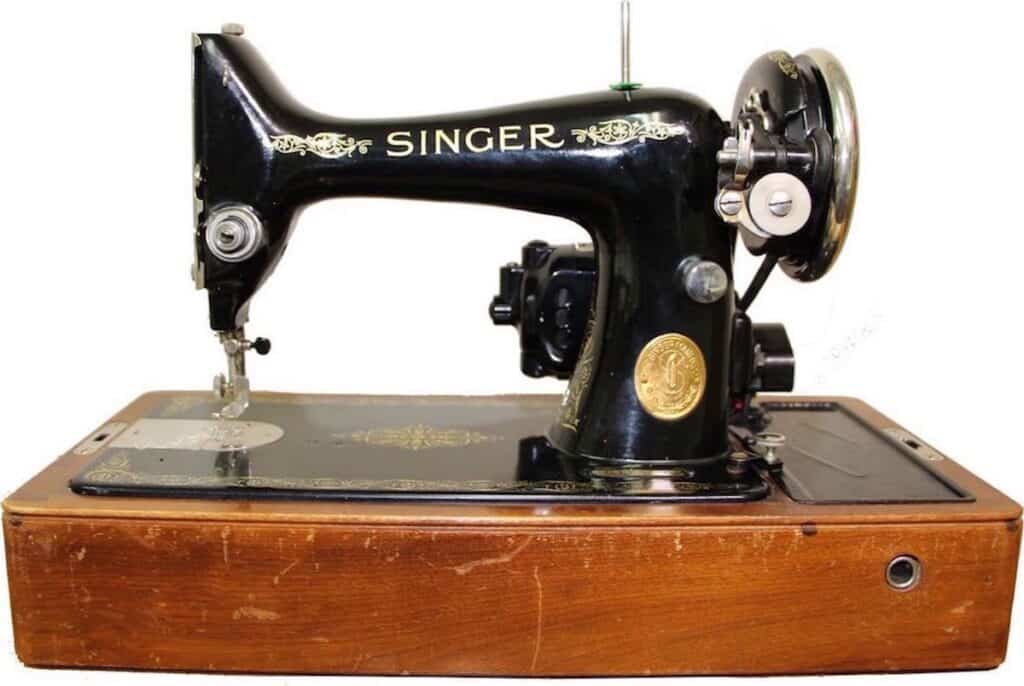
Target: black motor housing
<point>546,297</point>
<point>637,170</point>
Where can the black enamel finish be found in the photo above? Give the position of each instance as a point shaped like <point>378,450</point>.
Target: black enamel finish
<point>647,205</point>
<point>831,456</point>
<point>545,293</point>
<point>394,448</point>
<point>547,297</point>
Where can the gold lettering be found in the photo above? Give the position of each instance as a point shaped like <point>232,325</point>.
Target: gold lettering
<point>541,133</point>
<point>451,141</point>
<point>400,139</point>
<point>507,135</point>
<point>479,139</point>
<point>488,144</point>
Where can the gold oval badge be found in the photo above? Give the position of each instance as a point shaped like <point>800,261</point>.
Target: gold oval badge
<point>670,376</point>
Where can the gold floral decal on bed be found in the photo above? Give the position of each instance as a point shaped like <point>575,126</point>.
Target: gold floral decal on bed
<point>117,470</point>
<point>418,437</point>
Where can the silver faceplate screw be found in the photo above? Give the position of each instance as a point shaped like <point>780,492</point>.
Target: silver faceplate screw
<point>780,203</point>
<point>220,386</point>
<point>731,203</point>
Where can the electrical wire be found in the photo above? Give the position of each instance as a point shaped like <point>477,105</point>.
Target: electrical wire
<point>763,272</point>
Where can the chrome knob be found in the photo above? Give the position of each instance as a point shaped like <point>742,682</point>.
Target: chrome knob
<point>703,280</point>
<point>767,443</point>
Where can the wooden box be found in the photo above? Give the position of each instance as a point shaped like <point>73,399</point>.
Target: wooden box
<point>548,589</point>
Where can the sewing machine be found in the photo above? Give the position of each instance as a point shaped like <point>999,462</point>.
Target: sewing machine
<point>662,516</point>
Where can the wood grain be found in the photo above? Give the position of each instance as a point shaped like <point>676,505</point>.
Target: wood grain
<point>463,600</point>
<point>376,588</point>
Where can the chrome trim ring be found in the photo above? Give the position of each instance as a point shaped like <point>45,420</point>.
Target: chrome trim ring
<point>233,233</point>
<point>903,572</point>
<point>845,163</point>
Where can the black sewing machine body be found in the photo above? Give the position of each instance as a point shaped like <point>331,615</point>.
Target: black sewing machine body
<point>638,169</point>
<point>547,296</point>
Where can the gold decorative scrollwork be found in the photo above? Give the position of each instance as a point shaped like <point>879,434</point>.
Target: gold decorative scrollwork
<point>117,470</point>
<point>568,415</point>
<point>418,437</point>
<point>620,131</point>
<point>324,144</point>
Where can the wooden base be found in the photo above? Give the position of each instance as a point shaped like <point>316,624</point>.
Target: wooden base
<point>392,588</point>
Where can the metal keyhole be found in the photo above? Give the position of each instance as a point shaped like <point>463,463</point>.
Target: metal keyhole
<point>903,572</point>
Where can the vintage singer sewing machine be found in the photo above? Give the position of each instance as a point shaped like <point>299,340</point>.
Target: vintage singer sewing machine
<point>662,516</point>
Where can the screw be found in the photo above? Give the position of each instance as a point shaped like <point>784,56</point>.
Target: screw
<point>780,203</point>
<point>730,203</point>
<point>220,386</point>
<point>737,464</point>
<point>232,29</point>
<point>228,234</point>
<point>739,456</point>
<point>233,233</point>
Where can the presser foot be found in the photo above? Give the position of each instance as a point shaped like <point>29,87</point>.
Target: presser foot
<point>234,388</point>
<point>237,390</point>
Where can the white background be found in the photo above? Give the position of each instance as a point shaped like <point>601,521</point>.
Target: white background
<point>919,318</point>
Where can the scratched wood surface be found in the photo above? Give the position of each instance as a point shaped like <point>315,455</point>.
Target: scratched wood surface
<point>286,587</point>
<point>327,598</point>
